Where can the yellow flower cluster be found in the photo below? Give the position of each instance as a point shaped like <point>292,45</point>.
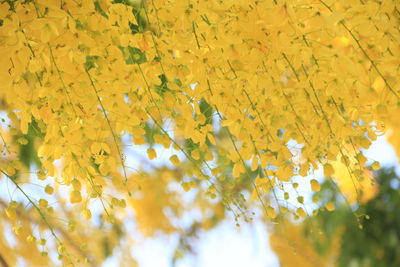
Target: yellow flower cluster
<point>322,74</point>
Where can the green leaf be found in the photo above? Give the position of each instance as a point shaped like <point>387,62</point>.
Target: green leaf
<point>190,145</point>
<point>133,55</point>
<point>162,87</point>
<point>139,13</point>
<point>27,152</point>
<point>91,62</point>
<point>151,130</point>
<point>99,9</point>
<point>207,111</point>
<point>134,28</point>
<point>124,2</point>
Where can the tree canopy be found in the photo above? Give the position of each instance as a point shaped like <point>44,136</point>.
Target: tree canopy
<point>118,107</point>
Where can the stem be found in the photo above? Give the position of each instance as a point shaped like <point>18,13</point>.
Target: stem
<point>109,124</point>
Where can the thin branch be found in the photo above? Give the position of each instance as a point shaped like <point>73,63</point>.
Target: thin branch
<point>109,124</point>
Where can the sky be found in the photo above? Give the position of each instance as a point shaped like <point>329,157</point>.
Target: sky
<point>225,245</point>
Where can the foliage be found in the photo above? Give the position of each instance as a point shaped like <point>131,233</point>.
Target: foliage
<point>238,97</point>
<point>342,239</point>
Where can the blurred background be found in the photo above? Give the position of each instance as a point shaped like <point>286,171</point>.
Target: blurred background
<point>366,234</point>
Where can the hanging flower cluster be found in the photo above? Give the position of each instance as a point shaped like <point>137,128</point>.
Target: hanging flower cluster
<point>260,90</point>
